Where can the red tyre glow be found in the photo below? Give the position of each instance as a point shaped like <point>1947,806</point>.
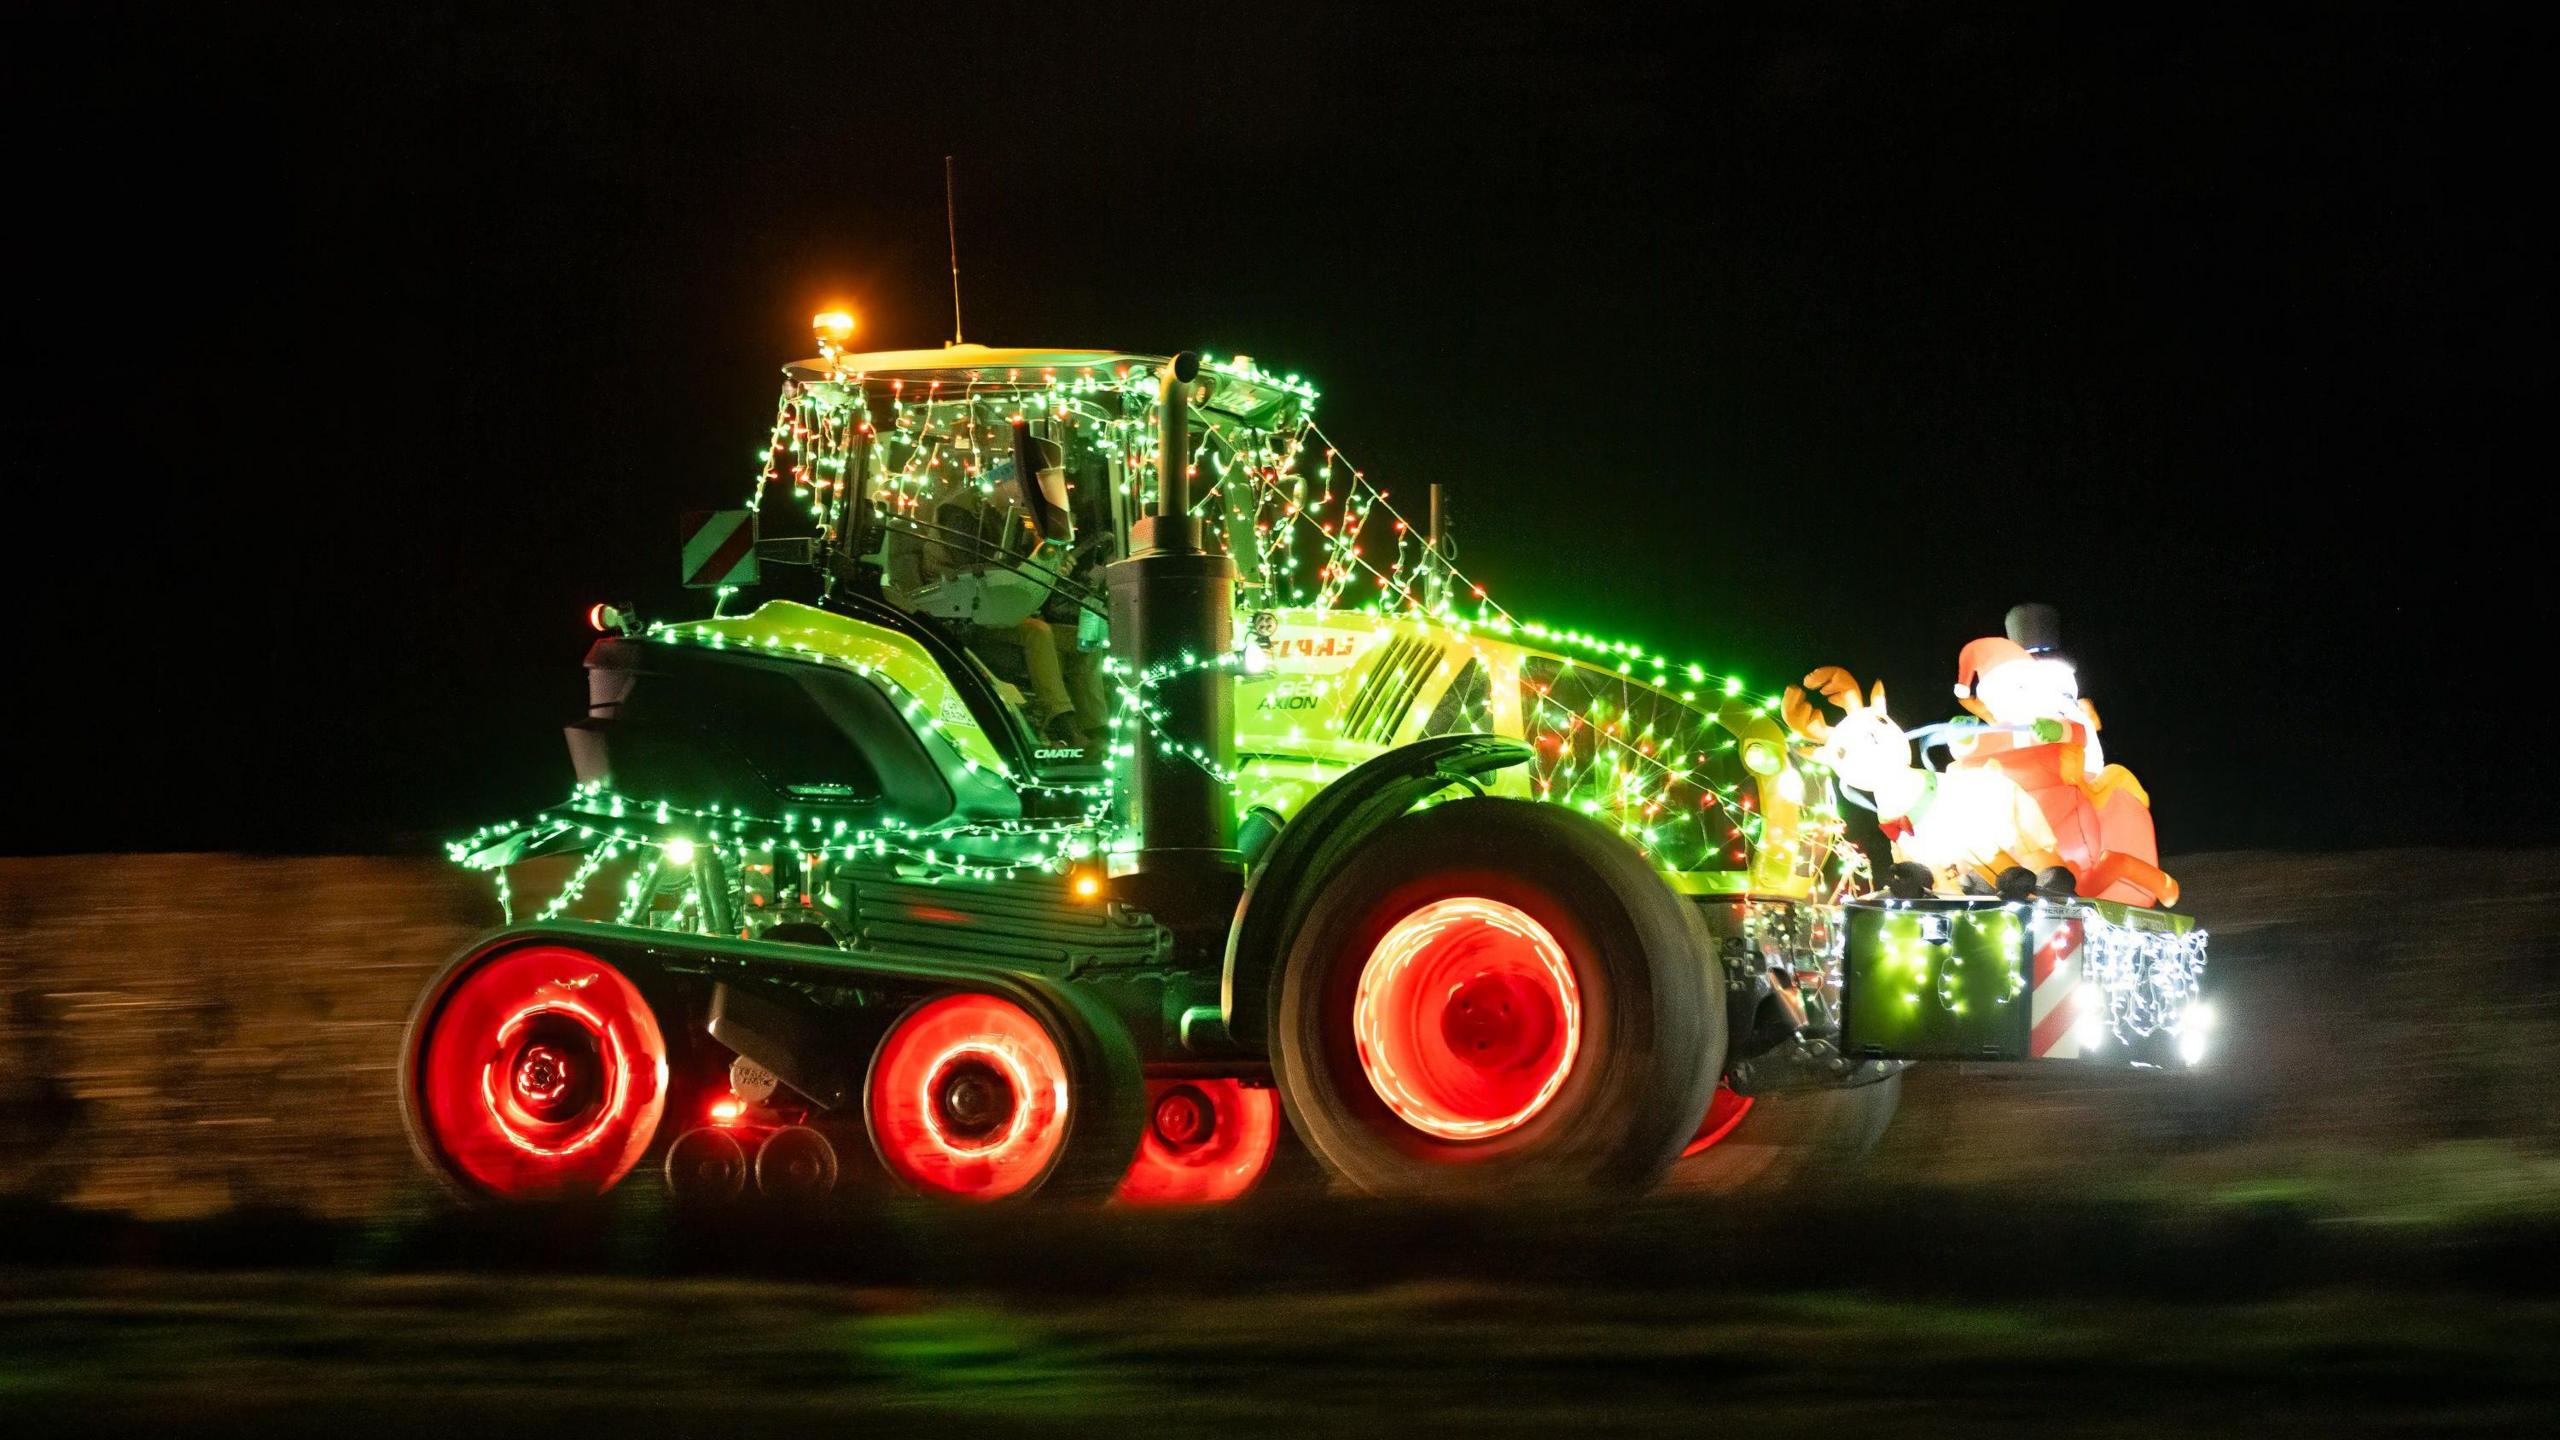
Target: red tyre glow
<point>1723,1114</point>
<point>968,1098</point>
<point>1206,1142</point>
<point>540,1074</point>
<point>1467,1018</point>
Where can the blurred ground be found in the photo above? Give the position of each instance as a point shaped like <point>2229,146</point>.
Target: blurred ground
<point>183,1034</point>
<point>415,1355</point>
<point>2349,1222</point>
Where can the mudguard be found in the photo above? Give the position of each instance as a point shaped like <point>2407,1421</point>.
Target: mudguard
<point>1284,883</point>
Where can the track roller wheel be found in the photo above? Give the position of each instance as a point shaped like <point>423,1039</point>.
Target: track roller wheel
<point>533,1074</point>
<point>968,1098</point>
<point>706,1167</point>
<point>1491,994</point>
<point>1206,1142</point>
<point>795,1163</point>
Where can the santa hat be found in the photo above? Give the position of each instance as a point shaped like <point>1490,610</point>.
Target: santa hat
<point>1988,653</point>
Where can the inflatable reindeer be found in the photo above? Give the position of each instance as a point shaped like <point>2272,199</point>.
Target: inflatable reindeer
<point>1958,827</point>
<point>2021,792</point>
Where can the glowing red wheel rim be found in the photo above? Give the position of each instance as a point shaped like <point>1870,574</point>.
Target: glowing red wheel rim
<point>968,1098</point>
<point>538,1074</point>
<point>1724,1113</point>
<point>1467,1018</point>
<point>1206,1142</point>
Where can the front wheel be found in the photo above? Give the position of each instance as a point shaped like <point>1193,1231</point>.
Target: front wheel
<point>1493,994</point>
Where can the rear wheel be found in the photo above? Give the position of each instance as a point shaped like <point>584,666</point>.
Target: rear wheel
<point>533,1074</point>
<point>1496,993</point>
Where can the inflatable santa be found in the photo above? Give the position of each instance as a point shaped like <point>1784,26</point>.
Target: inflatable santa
<point>2085,816</point>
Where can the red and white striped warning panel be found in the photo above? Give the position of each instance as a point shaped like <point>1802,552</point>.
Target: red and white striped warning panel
<point>719,548</point>
<point>2056,998</point>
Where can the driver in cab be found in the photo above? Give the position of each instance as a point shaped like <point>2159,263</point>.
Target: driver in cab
<point>956,564</point>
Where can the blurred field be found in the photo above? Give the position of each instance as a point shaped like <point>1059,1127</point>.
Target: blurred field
<point>181,1035</point>
<point>1828,1308</point>
<point>2349,1223</point>
<point>422,1355</point>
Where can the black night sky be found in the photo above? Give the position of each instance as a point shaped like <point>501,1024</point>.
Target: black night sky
<point>360,348</point>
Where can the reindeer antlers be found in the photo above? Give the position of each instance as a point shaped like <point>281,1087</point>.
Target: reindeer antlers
<point>1837,686</point>
<point>1805,721</point>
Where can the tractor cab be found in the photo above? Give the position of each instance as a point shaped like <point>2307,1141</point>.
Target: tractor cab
<point>981,492</point>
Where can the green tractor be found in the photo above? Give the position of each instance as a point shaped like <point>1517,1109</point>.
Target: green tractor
<point>1086,781</point>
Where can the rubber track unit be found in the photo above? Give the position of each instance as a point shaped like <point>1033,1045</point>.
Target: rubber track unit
<point>1110,1110</point>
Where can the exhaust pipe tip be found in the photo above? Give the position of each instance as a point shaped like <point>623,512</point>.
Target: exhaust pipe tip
<point>1183,368</point>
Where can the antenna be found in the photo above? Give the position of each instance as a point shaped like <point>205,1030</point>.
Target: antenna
<point>951,218</point>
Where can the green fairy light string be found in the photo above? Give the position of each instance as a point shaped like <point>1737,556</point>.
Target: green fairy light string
<point>1643,741</point>
<point>1255,469</point>
<point>910,706</point>
<point>576,885</point>
<point>1634,778</point>
<point>1138,714</point>
<point>672,837</point>
<point>611,824</point>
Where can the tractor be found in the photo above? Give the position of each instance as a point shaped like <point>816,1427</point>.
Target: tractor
<point>1087,783</point>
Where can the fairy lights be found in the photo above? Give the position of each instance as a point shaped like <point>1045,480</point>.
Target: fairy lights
<point>673,839</point>
<point>1936,977</point>
<point>1677,756</point>
<point>2148,981</point>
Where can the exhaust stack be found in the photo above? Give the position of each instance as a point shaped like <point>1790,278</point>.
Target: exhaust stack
<point>1172,608</point>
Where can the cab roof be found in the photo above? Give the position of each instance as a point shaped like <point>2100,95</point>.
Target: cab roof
<point>1238,388</point>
